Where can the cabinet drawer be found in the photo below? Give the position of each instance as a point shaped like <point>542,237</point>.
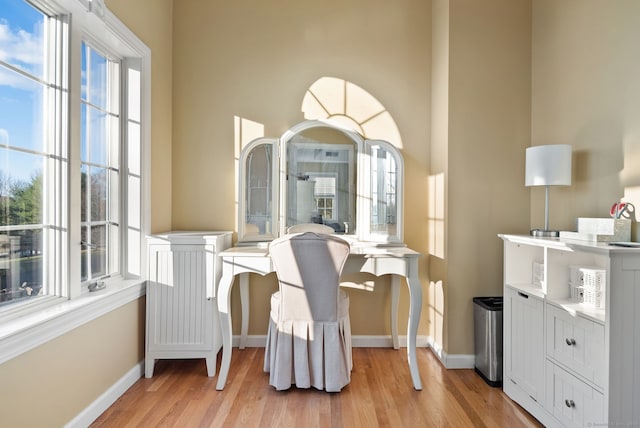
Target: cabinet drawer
<point>577,343</point>
<point>571,401</point>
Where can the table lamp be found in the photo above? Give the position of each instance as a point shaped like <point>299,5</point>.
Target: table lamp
<point>548,166</point>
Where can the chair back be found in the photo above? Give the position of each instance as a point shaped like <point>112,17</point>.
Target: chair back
<point>310,227</point>
<point>308,266</point>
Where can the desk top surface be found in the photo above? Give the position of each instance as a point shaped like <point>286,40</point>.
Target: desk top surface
<point>360,249</point>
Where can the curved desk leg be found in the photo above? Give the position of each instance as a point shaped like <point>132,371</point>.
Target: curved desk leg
<point>395,299</point>
<point>415,307</point>
<point>244,301</point>
<point>224,312</point>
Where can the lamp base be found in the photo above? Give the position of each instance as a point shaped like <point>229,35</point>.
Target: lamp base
<point>540,233</point>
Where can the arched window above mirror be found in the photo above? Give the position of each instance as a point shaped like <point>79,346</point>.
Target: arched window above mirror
<point>320,172</point>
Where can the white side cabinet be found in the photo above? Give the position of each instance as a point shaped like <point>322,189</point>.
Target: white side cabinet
<point>182,314</point>
<point>567,363</point>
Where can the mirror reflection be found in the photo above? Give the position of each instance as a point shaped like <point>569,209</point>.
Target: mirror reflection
<point>384,200</point>
<point>259,193</point>
<point>321,179</point>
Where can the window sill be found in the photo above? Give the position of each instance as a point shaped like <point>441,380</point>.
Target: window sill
<point>30,331</point>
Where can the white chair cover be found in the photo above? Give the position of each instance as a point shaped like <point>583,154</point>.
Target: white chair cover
<point>309,336</point>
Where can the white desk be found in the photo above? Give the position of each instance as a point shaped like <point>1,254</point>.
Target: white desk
<point>395,261</point>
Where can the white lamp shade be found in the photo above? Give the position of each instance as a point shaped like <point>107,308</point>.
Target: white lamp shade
<point>548,165</point>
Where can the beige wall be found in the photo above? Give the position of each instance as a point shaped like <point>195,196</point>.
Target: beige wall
<point>586,92</point>
<point>255,60</point>
<point>480,150</point>
<point>439,173</point>
<point>51,384</point>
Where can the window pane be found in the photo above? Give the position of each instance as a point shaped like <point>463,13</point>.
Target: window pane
<point>20,188</point>
<point>20,110</point>
<point>20,265</point>
<point>94,77</point>
<point>99,186</point>
<point>98,251</point>
<point>94,191</point>
<point>21,34</point>
<point>94,252</point>
<point>94,147</point>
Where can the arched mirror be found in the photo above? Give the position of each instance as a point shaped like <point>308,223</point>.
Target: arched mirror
<point>321,178</point>
<point>321,172</point>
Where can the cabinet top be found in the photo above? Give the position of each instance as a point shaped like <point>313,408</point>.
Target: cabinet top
<point>570,244</point>
<point>188,236</point>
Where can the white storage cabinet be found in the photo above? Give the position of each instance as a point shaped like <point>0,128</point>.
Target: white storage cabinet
<point>569,363</point>
<point>182,315</point>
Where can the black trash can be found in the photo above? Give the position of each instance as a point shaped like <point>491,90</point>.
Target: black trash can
<point>487,331</point>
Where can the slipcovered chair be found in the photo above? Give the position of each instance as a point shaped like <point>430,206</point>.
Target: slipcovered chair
<point>309,336</point>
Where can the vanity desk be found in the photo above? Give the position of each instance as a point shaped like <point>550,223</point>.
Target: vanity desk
<point>396,261</point>
<point>321,172</point>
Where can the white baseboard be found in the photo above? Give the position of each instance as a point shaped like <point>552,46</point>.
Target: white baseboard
<point>102,403</point>
<point>452,361</point>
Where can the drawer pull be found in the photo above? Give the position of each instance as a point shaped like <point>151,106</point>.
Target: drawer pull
<point>521,294</point>
<point>569,403</point>
<point>570,342</point>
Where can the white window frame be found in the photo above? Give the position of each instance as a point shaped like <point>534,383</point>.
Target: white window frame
<point>25,326</point>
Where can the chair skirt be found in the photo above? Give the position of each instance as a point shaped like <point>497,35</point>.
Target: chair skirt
<point>308,353</point>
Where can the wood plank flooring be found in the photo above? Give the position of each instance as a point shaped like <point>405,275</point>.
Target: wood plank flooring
<point>380,395</point>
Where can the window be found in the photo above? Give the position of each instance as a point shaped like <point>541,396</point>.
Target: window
<point>73,151</point>
<point>29,84</point>
<point>324,195</point>
<point>99,164</point>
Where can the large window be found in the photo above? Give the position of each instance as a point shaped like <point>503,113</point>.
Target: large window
<point>72,151</point>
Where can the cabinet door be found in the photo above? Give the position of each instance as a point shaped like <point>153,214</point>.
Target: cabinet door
<point>577,343</point>
<point>523,341</point>
<point>179,315</point>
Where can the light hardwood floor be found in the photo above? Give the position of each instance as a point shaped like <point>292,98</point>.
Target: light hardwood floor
<point>380,395</point>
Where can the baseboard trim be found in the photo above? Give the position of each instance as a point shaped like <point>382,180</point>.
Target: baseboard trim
<point>104,401</point>
<point>452,361</point>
